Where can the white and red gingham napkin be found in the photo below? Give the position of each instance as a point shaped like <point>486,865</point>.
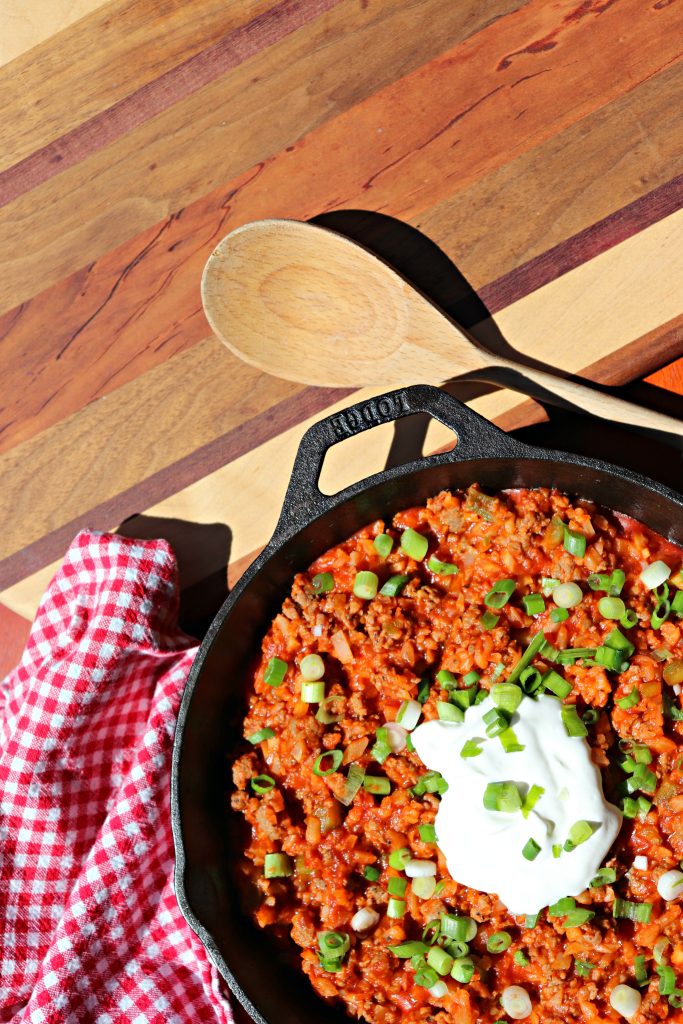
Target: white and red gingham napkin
<point>89,927</point>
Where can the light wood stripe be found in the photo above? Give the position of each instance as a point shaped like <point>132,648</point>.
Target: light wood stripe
<point>579,304</point>
<point>26,23</point>
<point>478,99</point>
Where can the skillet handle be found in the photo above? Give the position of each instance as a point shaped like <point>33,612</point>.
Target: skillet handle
<point>476,438</point>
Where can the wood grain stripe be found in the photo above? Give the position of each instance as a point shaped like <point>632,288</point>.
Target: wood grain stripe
<point>628,271</point>
<point>266,29</point>
<point>492,98</point>
<point>25,24</point>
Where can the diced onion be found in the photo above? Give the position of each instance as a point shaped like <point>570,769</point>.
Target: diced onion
<point>420,868</point>
<point>439,990</point>
<point>341,647</point>
<point>640,863</point>
<point>625,1000</point>
<point>312,667</point>
<point>397,737</point>
<point>516,1002</point>
<point>317,630</point>
<point>364,919</point>
<point>659,947</point>
<point>655,574</point>
<point>670,885</point>
<point>409,714</point>
<point>567,595</point>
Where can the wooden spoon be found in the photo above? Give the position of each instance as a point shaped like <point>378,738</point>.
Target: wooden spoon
<point>304,303</point>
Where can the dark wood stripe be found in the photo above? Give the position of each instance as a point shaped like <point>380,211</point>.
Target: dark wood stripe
<point>176,84</point>
<point>613,229</point>
<point>210,457</point>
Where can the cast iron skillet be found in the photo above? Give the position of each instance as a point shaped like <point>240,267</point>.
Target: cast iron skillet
<point>269,986</point>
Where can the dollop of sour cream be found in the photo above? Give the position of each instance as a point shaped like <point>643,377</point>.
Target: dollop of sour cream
<point>483,848</point>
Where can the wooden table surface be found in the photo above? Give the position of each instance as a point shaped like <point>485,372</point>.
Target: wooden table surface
<point>538,145</point>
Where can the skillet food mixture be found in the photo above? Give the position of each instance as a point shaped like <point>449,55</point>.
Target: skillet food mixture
<point>464,767</point>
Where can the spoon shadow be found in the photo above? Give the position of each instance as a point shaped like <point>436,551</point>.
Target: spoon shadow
<point>421,262</point>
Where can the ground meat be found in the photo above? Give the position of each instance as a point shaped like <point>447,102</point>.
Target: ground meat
<point>380,652</point>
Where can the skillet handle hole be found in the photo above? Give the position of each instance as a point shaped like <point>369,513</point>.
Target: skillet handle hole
<point>388,444</point>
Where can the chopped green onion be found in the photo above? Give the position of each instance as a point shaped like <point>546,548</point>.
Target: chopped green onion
<point>427,833</point>
<point>423,691</point>
<point>502,796</point>
<point>454,926</point>
<point>533,604</point>
<point>548,652</point>
<point>312,667</point>
<point>554,682</point>
<point>441,568</point>
<point>640,970</point>
<point>313,693</point>
<point>334,944</point>
<point>673,673</point>
<point>470,748</point>
<point>572,723</point>
<point>562,907</point>
<point>323,582</point>
<point>533,648</point>
<point>424,887</point>
<point>530,680</point>
<point>471,678</point>
<point>463,970</point>
<point>440,960</point>
<point>262,783</point>
<point>500,593</point>
<point>394,585</point>
<point>261,735</point>
<point>496,722</point>
<point>498,942</point>
<point>464,698</point>
<point>609,658</point>
<point>404,950</point>
<point>580,831</point>
<point>575,918</point>
<point>396,908</point>
<point>655,574</point>
<point>531,799</point>
<point>677,603</point>
<point>598,581</point>
<point>531,920</point>
<point>661,613</point>
<point>431,931</point>
<point>616,640</point>
<point>381,749</point>
<point>574,543</point>
<point>430,782</point>
<point>383,544</point>
<point>511,744</point>
<point>449,712</point>
<point>365,585</point>
<point>506,696</point>
<point>667,979</point>
<point>630,700</point>
<point>548,584</point>
<point>557,850</point>
<point>275,672</point>
<point>632,911</point>
<point>642,778</point>
<point>277,865</point>
<point>352,783</point>
<point>336,756</point>
<point>629,807</point>
<point>583,968</point>
<point>628,619</point>
<point>399,858</point>
<point>531,850</point>
<point>611,607</point>
<point>425,977</point>
<point>324,715</point>
<point>408,714</point>
<point>414,544</point>
<point>605,876</point>
<point>371,873</point>
<point>520,958</point>
<point>676,999</point>
<point>567,595</point>
<point>559,614</point>
<point>590,716</point>
<point>489,620</point>
<point>377,785</point>
<point>572,654</point>
<point>446,678</point>
<point>397,886</point>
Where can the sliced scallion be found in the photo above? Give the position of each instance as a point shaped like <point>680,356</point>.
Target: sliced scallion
<point>323,582</point>
<point>383,544</point>
<point>396,908</point>
<point>377,785</point>
<point>441,568</point>
<point>534,604</point>
<point>655,574</point>
<point>572,723</point>
<point>611,607</point>
<point>531,849</point>
<point>506,696</point>
<point>334,759</point>
<point>511,744</point>
<point>463,970</point>
<point>365,584</point>
<point>394,585</point>
<point>313,693</point>
<point>503,797</point>
<point>352,783</point>
<point>404,950</point>
<point>496,722</point>
<point>397,886</point>
<point>489,620</point>
<point>531,799</point>
<point>574,542</point>
<point>371,873</point>
<point>414,544</point>
<point>399,858</point>
<point>559,614</point>
<point>533,648</point>
<point>427,833</point>
<point>277,865</point>
<point>640,912</point>
<point>449,712</point>
<point>275,672</point>
<point>630,700</point>
<point>470,748</point>
<point>605,876</point>
<point>554,682</point>
<point>261,735</point>
<point>262,783</point>
<point>500,593</point>
<point>498,942</point>
<point>629,619</point>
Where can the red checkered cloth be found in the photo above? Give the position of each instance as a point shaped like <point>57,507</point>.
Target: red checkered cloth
<point>89,926</point>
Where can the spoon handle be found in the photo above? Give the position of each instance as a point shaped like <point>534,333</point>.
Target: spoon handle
<point>578,397</point>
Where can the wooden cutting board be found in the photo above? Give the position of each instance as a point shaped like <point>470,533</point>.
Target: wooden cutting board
<point>537,145</point>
